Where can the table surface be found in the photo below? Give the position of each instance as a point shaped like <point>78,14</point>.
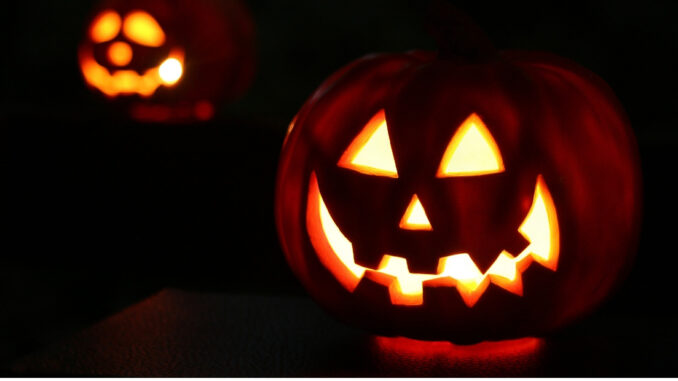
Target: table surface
<point>178,333</point>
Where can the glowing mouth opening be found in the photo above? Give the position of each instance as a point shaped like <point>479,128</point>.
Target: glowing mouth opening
<point>168,73</point>
<point>335,251</point>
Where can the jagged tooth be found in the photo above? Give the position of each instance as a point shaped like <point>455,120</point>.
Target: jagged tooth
<point>379,277</point>
<point>470,282</point>
<point>398,297</point>
<point>471,296</point>
<point>506,273</point>
<point>514,286</point>
<point>395,289</point>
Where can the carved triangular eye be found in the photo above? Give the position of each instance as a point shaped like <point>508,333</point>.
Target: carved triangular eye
<point>142,28</point>
<point>471,152</point>
<point>370,152</point>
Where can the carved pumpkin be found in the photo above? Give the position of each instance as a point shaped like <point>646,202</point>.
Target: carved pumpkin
<point>439,197</point>
<point>169,60</point>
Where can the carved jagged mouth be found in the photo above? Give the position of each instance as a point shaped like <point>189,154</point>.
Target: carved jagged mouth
<point>129,81</point>
<point>335,251</point>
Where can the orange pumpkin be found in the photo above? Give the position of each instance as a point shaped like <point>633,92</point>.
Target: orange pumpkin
<point>446,197</point>
<point>169,60</point>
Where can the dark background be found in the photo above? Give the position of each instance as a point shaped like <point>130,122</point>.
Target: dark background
<point>97,213</point>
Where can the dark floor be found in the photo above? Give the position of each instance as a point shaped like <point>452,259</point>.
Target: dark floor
<point>180,334</point>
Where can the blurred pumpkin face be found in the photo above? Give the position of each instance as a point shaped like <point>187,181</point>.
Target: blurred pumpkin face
<point>129,54</point>
<point>168,60</point>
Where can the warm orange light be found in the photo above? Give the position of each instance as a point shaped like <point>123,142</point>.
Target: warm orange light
<point>370,152</point>
<point>459,270</point>
<point>170,71</point>
<point>126,81</point>
<point>487,348</point>
<point>142,28</point>
<point>541,227</point>
<point>504,272</point>
<point>105,26</point>
<point>335,251</point>
<point>471,152</point>
<point>120,53</point>
<point>415,216</point>
<point>405,288</point>
<point>495,356</point>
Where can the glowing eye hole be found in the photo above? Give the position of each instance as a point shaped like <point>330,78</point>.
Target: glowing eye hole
<point>471,152</point>
<point>105,26</point>
<point>370,152</point>
<point>142,28</point>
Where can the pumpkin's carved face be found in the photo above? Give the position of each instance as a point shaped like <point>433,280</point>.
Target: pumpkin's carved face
<point>472,151</point>
<point>129,54</point>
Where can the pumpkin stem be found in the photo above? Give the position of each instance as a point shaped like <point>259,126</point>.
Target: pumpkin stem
<point>457,35</point>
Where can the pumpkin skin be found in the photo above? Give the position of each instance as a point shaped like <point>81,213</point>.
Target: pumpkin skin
<point>549,118</point>
<point>214,40</point>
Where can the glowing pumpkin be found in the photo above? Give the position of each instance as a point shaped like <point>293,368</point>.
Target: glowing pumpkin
<point>170,60</point>
<point>437,197</point>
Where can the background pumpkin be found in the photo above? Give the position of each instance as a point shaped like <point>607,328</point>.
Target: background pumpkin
<point>212,40</point>
<point>548,116</point>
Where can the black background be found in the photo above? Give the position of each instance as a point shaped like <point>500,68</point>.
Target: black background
<point>98,213</point>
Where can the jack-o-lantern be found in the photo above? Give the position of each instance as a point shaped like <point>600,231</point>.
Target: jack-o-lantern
<point>441,196</point>
<point>169,60</point>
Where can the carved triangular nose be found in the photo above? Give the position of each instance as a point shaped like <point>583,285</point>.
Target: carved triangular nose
<point>415,216</point>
